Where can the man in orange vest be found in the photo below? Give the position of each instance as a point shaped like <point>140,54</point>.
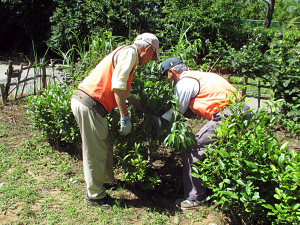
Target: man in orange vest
<point>202,92</point>
<point>105,88</point>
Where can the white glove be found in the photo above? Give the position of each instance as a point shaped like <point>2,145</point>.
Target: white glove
<point>125,125</point>
<point>168,115</point>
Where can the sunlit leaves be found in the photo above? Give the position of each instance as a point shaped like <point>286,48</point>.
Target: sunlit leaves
<point>255,173</point>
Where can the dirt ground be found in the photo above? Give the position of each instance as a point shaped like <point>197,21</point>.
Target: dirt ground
<point>13,117</point>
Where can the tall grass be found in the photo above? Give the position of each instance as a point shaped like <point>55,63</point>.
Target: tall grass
<point>84,56</point>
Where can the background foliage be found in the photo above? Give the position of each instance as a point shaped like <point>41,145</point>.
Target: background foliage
<point>52,22</point>
<point>261,56</point>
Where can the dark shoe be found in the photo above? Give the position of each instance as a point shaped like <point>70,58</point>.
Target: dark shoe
<point>190,204</point>
<point>105,203</point>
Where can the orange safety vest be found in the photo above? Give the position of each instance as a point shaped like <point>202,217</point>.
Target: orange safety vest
<point>213,89</point>
<point>98,83</point>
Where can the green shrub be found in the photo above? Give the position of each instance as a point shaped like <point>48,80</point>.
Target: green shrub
<point>207,18</point>
<point>282,67</point>
<point>137,151</point>
<point>87,18</point>
<point>277,62</point>
<point>50,111</point>
<point>250,173</point>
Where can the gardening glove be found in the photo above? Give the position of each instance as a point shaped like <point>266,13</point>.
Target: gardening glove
<point>168,115</point>
<point>125,125</point>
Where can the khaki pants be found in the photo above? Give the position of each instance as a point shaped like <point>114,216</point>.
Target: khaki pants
<point>97,149</point>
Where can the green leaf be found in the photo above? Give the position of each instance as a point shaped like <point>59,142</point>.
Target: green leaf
<point>284,145</point>
<point>230,194</point>
<point>173,128</point>
<point>220,162</point>
<point>251,164</point>
<point>252,139</point>
<point>286,82</point>
<point>240,182</point>
<point>182,140</point>
<point>277,190</point>
<point>256,196</point>
<point>223,153</point>
<point>227,181</point>
<point>268,206</point>
<point>277,196</point>
<point>281,159</point>
<point>296,206</point>
<point>278,207</point>
<point>248,190</point>
<point>273,167</point>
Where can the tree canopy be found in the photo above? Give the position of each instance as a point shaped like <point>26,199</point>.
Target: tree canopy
<point>59,22</point>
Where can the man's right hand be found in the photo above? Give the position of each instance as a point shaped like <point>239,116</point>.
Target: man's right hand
<point>125,125</point>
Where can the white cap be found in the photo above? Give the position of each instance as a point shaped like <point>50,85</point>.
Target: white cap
<point>152,40</point>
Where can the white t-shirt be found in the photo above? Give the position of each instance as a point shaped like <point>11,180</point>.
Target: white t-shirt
<point>124,61</point>
<point>186,89</point>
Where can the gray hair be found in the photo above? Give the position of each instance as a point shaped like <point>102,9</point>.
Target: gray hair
<point>141,44</point>
<point>180,68</point>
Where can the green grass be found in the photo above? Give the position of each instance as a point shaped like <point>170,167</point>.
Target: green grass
<point>45,186</point>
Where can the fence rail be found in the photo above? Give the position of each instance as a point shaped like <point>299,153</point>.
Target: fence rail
<point>244,90</point>
<point>39,77</point>
<point>57,70</point>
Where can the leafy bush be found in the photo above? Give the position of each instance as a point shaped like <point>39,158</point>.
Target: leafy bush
<point>50,111</point>
<point>207,18</point>
<point>275,61</point>
<point>282,67</point>
<point>137,153</point>
<point>86,18</point>
<point>250,173</point>
<point>245,60</point>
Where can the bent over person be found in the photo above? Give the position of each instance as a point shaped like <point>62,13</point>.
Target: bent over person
<point>105,88</point>
<point>202,92</point>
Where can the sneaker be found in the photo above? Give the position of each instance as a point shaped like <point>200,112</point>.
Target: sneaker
<point>190,204</point>
<point>105,203</point>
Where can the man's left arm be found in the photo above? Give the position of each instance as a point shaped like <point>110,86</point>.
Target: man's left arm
<point>136,103</point>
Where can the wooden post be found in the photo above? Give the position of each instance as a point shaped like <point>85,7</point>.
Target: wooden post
<point>29,65</point>
<point>44,80</point>
<point>2,93</point>
<point>244,91</point>
<point>18,82</point>
<point>258,97</point>
<point>34,66</point>
<point>52,61</point>
<point>8,79</point>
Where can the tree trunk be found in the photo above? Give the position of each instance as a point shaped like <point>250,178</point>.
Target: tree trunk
<point>270,12</point>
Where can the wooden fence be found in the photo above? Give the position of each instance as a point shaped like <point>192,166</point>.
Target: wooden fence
<point>259,86</point>
<point>39,72</point>
<point>39,77</point>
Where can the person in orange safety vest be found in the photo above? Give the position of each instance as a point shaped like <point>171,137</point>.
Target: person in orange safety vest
<point>202,92</point>
<point>105,88</point>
